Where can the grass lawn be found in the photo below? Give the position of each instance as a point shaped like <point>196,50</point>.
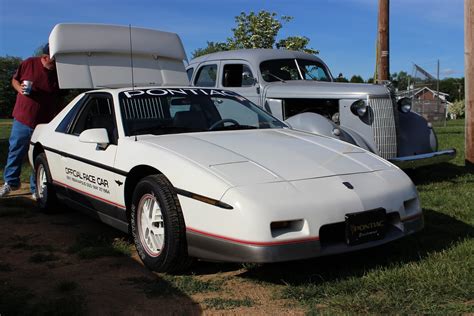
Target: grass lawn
<point>5,128</point>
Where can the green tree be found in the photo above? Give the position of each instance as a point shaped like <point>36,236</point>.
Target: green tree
<point>8,67</point>
<point>258,30</point>
<point>341,78</point>
<point>296,43</point>
<point>454,87</point>
<point>211,47</point>
<point>400,80</point>
<point>356,79</point>
<point>457,109</point>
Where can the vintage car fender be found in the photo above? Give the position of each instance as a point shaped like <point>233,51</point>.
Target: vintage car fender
<point>318,124</point>
<point>416,135</point>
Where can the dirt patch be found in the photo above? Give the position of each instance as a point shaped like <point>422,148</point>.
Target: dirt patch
<point>68,263</point>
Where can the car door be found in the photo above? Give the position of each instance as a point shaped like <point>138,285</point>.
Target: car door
<point>88,173</point>
<point>238,76</point>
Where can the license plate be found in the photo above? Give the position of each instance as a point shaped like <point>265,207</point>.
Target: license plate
<point>365,226</point>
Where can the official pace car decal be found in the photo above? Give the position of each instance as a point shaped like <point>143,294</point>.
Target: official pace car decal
<point>87,180</point>
<point>177,92</point>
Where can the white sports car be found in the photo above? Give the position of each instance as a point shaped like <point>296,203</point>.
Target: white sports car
<point>203,173</point>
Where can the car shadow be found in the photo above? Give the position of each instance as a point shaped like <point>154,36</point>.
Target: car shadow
<point>440,233</point>
<point>70,247</point>
<point>438,173</point>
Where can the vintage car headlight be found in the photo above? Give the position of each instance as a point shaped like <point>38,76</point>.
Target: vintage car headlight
<point>404,105</point>
<point>359,108</point>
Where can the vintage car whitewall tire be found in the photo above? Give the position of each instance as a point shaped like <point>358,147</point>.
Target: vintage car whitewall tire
<point>45,193</point>
<point>158,227</point>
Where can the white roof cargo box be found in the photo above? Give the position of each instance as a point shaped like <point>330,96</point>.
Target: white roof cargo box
<point>92,56</point>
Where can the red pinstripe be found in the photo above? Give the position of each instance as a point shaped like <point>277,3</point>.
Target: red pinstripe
<point>88,194</point>
<point>254,243</point>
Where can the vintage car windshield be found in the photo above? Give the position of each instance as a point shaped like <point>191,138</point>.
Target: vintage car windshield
<point>171,111</point>
<point>293,69</point>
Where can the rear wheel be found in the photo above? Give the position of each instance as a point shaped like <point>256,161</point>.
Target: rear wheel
<point>45,193</point>
<point>158,227</point>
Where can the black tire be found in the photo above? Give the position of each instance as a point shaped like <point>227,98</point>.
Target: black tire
<point>171,255</point>
<point>45,192</point>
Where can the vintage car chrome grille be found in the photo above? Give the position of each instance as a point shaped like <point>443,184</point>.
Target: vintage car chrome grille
<point>384,127</point>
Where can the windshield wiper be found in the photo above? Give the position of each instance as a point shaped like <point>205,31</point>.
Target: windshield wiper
<point>235,127</point>
<point>145,130</point>
<point>275,76</point>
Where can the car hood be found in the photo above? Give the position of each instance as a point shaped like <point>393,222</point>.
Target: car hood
<point>321,89</point>
<point>259,156</point>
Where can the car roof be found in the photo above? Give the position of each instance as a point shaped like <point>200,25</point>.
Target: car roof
<point>254,55</point>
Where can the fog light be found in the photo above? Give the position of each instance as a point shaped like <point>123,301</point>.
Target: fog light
<point>404,105</point>
<point>280,225</point>
<point>359,108</point>
<point>336,132</point>
<point>280,228</point>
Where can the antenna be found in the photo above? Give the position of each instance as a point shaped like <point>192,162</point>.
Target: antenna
<point>131,54</point>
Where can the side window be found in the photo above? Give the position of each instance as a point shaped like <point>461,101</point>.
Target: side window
<point>190,73</point>
<point>97,113</point>
<point>237,75</point>
<point>68,120</point>
<point>206,76</point>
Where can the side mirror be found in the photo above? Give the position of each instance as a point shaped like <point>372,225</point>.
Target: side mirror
<point>97,136</point>
<point>246,76</point>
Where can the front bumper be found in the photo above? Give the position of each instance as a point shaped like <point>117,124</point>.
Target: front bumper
<point>214,248</point>
<point>416,161</point>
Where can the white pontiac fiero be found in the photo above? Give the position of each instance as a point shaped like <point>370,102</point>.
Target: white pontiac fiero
<point>203,173</point>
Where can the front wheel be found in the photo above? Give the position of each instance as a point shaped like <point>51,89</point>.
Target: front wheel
<point>46,196</point>
<point>158,227</point>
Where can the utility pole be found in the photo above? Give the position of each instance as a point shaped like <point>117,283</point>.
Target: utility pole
<point>383,58</point>
<point>469,79</point>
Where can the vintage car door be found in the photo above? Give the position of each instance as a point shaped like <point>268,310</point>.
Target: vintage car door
<point>87,169</point>
<point>239,76</point>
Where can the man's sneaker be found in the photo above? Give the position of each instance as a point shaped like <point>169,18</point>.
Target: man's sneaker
<point>34,197</point>
<point>6,189</point>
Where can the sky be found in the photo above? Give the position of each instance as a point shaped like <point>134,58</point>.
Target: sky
<point>344,31</point>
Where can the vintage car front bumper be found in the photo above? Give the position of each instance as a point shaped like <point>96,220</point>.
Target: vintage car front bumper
<point>415,161</point>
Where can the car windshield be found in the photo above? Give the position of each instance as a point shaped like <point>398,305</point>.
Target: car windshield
<point>171,111</point>
<point>293,69</point>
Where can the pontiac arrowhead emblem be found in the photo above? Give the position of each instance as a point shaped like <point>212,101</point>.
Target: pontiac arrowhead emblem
<point>118,182</point>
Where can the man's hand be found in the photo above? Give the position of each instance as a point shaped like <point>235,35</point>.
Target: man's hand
<point>20,88</point>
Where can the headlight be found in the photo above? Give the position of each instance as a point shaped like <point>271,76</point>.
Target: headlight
<point>404,105</point>
<point>359,108</point>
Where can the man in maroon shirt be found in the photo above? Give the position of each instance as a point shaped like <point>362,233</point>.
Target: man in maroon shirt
<point>33,106</point>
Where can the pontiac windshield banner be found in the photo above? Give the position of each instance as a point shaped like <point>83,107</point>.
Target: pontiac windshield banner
<point>177,92</point>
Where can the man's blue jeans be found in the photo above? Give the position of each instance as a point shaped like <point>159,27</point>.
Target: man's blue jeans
<point>19,143</point>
